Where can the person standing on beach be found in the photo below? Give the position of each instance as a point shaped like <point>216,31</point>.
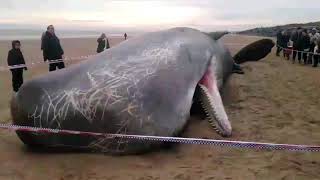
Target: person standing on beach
<point>52,50</point>
<point>314,36</point>
<point>103,43</point>
<point>125,36</point>
<point>295,35</point>
<point>304,45</point>
<point>316,53</point>
<point>16,58</point>
<point>43,34</point>
<point>279,42</point>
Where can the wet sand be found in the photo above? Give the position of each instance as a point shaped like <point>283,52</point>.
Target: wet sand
<point>274,101</point>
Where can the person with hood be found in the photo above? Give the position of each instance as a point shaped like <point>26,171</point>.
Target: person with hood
<point>125,36</point>
<point>103,43</point>
<point>16,58</point>
<point>52,50</point>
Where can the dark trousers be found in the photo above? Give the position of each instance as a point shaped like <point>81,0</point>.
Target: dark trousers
<point>17,78</point>
<point>305,56</point>
<point>310,57</point>
<point>315,60</point>
<point>294,55</point>
<point>279,49</point>
<point>54,66</point>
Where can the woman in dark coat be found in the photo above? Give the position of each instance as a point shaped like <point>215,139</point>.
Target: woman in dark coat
<point>103,42</point>
<point>15,58</point>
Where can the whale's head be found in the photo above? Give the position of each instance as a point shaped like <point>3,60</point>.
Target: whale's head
<point>220,67</point>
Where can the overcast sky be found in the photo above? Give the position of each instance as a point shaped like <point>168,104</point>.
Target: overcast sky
<point>157,14</point>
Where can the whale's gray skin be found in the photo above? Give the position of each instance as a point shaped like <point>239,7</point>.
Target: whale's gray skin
<point>143,86</point>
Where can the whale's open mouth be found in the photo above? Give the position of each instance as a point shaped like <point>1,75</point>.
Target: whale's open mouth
<point>210,100</point>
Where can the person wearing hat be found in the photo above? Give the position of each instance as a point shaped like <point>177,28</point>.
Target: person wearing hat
<point>314,36</point>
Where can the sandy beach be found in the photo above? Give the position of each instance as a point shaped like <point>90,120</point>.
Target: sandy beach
<point>274,101</point>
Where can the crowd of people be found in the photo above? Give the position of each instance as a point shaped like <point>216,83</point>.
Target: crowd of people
<point>301,42</point>
<point>52,51</point>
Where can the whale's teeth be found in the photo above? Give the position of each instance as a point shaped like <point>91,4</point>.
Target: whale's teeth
<point>207,105</point>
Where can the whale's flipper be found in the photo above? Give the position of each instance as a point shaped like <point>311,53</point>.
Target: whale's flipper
<point>212,103</point>
<point>254,51</point>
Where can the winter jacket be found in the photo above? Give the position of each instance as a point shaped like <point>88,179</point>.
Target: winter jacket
<point>102,44</point>
<point>279,38</point>
<point>52,49</point>
<point>43,34</point>
<point>296,38</point>
<point>286,39</point>
<point>304,42</point>
<point>15,57</point>
<point>316,50</point>
<point>314,37</point>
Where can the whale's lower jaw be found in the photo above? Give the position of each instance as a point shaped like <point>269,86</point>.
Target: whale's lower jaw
<point>212,105</point>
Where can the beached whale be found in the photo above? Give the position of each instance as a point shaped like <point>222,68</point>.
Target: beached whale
<point>143,86</point>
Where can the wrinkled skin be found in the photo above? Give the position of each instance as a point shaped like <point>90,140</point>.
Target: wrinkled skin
<point>143,86</point>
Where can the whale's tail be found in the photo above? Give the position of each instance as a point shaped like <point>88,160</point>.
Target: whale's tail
<point>254,51</point>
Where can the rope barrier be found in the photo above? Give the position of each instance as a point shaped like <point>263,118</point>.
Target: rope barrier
<point>196,141</point>
<point>293,50</point>
<point>5,68</point>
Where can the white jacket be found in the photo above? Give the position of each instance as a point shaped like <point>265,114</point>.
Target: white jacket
<point>314,38</point>
<point>316,50</point>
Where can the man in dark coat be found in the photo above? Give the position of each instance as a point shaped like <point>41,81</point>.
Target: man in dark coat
<point>15,58</point>
<point>295,37</point>
<point>304,44</point>
<point>52,50</point>
<point>286,39</point>
<point>279,42</point>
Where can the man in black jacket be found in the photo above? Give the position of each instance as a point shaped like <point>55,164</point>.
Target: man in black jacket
<point>304,44</point>
<point>52,50</point>
<point>279,42</point>
<point>17,64</point>
<point>295,38</point>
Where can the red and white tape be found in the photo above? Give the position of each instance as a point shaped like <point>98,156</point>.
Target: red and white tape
<point>5,68</point>
<point>293,50</point>
<point>197,141</point>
